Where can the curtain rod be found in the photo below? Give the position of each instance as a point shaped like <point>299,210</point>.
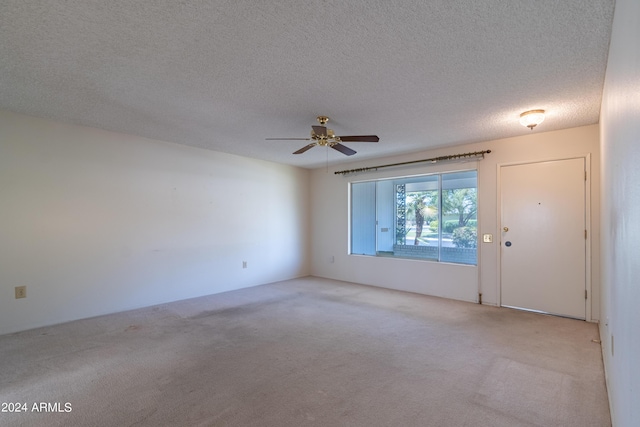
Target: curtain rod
<point>432,160</point>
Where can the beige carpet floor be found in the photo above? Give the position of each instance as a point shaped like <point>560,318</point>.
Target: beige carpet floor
<point>307,352</point>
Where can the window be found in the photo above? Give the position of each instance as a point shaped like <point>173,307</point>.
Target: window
<point>430,217</point>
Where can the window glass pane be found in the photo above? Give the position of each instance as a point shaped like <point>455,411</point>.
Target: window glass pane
<point>385,217</point>
<point>425,217</point>
<point>459,217</point>
<point>419,235</point>
<point>363,218</point>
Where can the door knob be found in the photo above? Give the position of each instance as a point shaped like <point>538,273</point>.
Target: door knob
<point>506,229</point>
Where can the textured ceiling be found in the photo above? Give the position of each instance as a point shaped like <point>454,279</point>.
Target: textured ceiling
<point>225,75</point>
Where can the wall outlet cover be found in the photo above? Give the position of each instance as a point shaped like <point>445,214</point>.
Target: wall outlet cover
<point>21,292</point>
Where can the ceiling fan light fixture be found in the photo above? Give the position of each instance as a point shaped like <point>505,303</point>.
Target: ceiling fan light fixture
<point>532,118</point>
<point>324,137</point>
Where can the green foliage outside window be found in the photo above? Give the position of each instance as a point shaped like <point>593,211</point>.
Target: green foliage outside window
<point>465,237</point>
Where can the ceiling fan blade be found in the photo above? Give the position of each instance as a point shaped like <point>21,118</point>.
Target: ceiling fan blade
<point>305,148</point>
<point>359,138</point>
<point>288,139</point>
<point>344,150</point>
<point>319,130</point>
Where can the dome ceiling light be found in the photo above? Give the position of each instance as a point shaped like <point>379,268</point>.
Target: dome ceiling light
<point>532,118</point>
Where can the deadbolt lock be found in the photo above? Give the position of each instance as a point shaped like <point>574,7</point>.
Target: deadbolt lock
<point>506,229</point>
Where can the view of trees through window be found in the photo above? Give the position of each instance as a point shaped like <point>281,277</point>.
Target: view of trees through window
<point>459,209</point>
<point>432,217</point>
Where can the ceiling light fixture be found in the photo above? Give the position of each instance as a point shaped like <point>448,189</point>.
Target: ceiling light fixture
<point>532,118</point>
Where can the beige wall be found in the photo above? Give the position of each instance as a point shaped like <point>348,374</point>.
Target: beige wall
<point>620,147</point>
<point>95,222</point>
<point>329,224</point>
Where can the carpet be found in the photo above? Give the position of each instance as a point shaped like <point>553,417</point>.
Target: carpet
<point>307,352</point>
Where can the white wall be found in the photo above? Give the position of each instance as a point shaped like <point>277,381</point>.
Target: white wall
<point>95,222</point>
<point>620,147</point>
<point>329,219</point>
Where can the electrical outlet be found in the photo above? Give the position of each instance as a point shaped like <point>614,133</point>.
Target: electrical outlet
<point>244,264</point>
<point>21,292</point>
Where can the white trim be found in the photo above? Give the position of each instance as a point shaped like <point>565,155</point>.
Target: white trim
<point>587,224</point>
<point>498,238</point>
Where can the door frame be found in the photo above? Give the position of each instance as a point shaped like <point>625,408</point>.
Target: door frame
<point>587,201</point>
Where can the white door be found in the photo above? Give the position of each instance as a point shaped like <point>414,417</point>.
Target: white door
<point>543,243</point>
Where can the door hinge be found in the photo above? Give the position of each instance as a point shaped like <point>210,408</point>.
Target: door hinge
<point>585,234</point>
<point>585,175</point>
<point>585,294</point>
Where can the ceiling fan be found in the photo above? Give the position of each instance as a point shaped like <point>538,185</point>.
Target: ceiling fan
<point>324,137</point>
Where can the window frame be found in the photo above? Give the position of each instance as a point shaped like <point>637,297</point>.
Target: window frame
<point>422,178</point>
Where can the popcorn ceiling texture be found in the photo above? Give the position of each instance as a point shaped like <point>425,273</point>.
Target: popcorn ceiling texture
<point>225,75</point>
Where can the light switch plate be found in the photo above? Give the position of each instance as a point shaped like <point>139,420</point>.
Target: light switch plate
<point>487,238</point>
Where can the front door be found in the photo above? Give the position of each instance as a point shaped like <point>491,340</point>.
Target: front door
<point>543,237</point>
